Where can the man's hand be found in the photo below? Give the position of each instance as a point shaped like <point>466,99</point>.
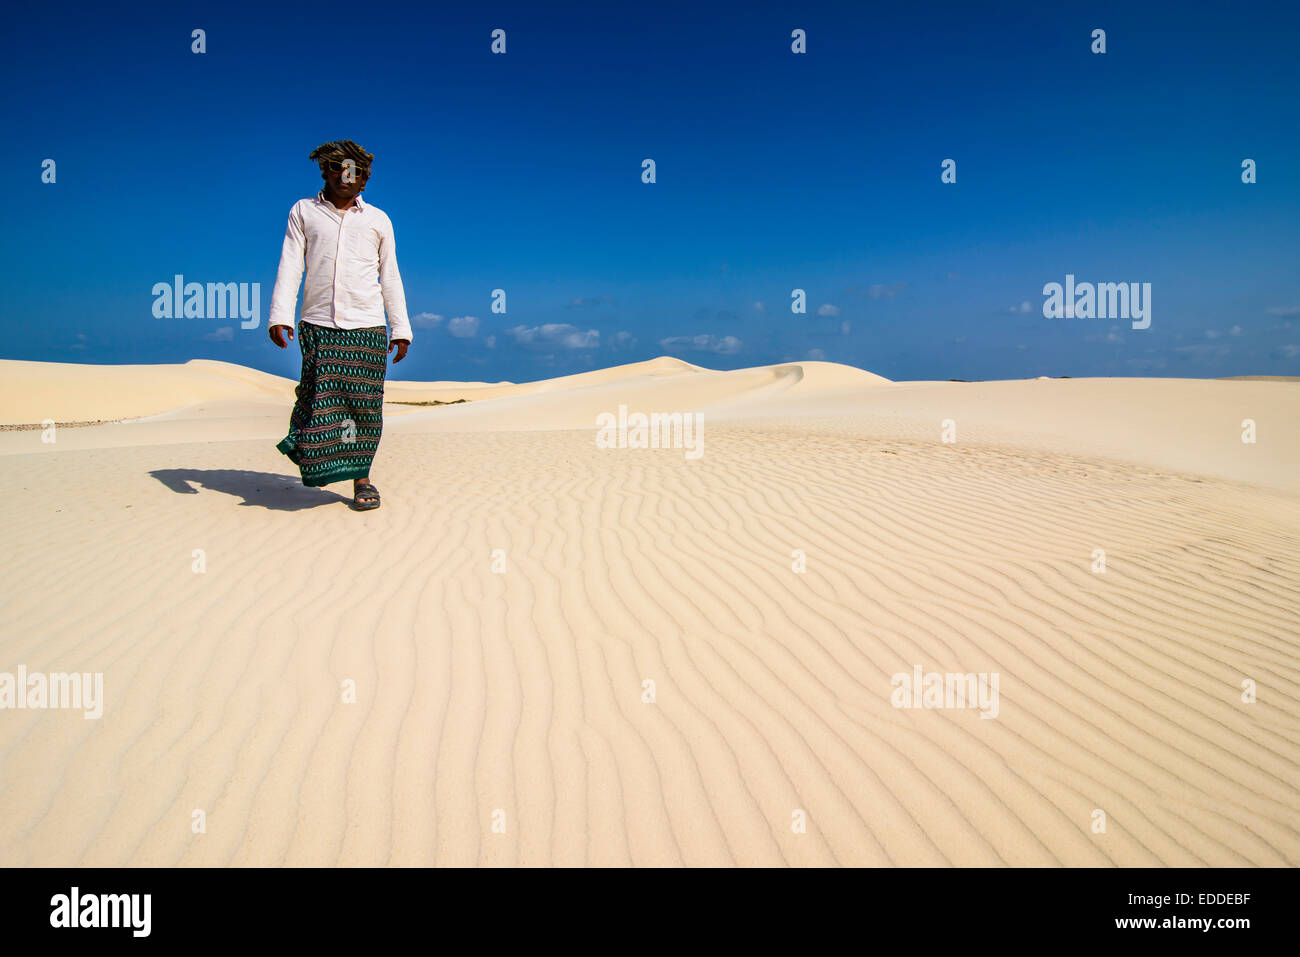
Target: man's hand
<point>277,335</point>
<point>401,348</point>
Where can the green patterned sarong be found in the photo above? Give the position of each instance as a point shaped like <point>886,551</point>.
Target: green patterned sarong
<point>339,413</point>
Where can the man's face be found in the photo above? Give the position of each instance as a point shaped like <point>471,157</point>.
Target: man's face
<point>345,179</point>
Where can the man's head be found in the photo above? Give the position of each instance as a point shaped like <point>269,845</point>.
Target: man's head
<point>344,166</point>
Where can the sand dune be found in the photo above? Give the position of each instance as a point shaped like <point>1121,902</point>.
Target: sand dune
<point>66,392</point>
<point>501,715</point>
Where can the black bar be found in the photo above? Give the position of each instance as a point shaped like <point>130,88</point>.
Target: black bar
<point>332,907</point>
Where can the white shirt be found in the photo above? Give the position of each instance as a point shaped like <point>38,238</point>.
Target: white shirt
<point>351,261</point>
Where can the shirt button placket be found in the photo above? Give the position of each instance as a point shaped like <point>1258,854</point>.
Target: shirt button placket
<point>338,265</point>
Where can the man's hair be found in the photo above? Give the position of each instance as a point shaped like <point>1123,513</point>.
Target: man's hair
<point>340,151</point>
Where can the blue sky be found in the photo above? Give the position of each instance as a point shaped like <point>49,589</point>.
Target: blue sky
<point>775,171</point>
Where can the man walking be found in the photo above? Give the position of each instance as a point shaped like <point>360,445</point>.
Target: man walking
<point>347,247</point>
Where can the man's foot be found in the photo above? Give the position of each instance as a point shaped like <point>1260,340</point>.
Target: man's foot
<point>365,496</point>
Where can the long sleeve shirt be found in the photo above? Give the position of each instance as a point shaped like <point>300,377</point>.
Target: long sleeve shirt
<point>351,261</point>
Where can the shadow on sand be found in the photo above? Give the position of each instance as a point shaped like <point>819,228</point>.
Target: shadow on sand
<point>284,493</point>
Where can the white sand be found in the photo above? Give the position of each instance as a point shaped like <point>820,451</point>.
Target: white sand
<point>518,697</point>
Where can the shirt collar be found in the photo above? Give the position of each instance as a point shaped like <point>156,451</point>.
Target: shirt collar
<point>320,198</point>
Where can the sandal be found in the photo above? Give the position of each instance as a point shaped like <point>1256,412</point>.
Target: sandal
<point>366,497</point>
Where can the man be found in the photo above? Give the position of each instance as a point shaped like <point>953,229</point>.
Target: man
<point>350,256</point>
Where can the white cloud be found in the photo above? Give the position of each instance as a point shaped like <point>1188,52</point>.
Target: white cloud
<point>463,327</point>
<point>1205,350</point>
<point>224,334</point>
<point>826,309</point>
<point>1111,335</point>
<point>555,334</point>
<point>1283,310</point>
<point>760,306</point>
<point>845,327</point>
<point>880,290</point>
<point>723,346</point>
<point>425,320</point>
<point>1215,333</point>
<point>816,354</point>
<point>490,342</point>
